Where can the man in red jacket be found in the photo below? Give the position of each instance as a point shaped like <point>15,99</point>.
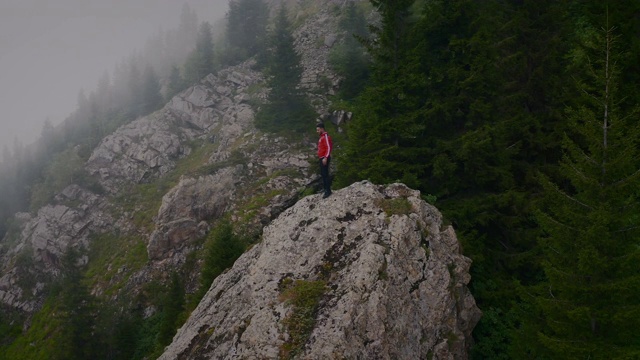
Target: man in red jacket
<point>325,145</point>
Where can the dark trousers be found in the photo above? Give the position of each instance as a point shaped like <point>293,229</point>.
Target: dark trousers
<point>324,172</point>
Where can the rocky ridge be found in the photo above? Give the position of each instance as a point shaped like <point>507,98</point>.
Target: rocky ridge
<point>395,285</point>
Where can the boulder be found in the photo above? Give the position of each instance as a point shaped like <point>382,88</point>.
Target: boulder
<point>394,285</point>
<point>185,206</point>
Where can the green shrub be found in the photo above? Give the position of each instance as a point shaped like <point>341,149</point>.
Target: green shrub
<point>305,298</point>
<point>222,248</point>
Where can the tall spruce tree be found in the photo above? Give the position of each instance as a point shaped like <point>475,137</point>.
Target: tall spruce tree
<point>349,58</point>
<point>171,307</point>
<point>176,83</point>
<point>76,307</point>
<point>151,97</point>
<point>201,61</point>
<point>384,131</point>
<point>223,248</point>
<point>287,107</point>
<point>523,62</point>
<point>588,306</point>
<point>246,28</point>
<point>187,33</point>
<point>134,87</point>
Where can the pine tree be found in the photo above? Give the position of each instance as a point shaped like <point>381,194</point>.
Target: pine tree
<point>76,306</point>
<point>201,62</point>
<point>47,138</point>
<point>434,117</point>
<point>187,33</point>
<point>349,58</point>
<point>172,306</point>
<point>222,249</point>
<point>151,97</point>
<point>384,130</point>
<point>589,304</point>
<point>176,83</point>
<point>246,28</point>
<point>287,107</point>
<point>134,87</point>
<point>104,95</point>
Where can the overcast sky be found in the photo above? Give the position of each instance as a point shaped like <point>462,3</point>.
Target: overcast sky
<point>50,49</point>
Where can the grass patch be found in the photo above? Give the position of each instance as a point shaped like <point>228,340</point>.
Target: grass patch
<point>397,206</point>
<point>305,298</point>
<point>110,255</point>
<point>41,341</point>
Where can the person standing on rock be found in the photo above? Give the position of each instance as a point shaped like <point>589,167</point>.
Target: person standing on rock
<point>325,145</point>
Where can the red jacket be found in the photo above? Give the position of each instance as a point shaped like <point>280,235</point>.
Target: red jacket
<point>325,145</point>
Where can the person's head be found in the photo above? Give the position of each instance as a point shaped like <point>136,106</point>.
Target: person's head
<point>319,128</point>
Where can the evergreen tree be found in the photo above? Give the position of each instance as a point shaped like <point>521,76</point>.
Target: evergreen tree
<point>76,312</point>
<point>385,130</point>
<point>135,88</point>
<point>246,28</point>
<point>104,95</point>
<point>151,97</point>
<point>451,109</point>
<point>176,83</point>
<point>187,30</point>
<point>63,169</point>
<point>172,306</point>
<point>223,248</point>
<point>47,139</point>
<point>287,106</point>
<point>200,62</point>
<point>349,58</point>
<point>588,305</point>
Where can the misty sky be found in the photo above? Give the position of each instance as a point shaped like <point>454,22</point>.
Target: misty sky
<point>50,49</point>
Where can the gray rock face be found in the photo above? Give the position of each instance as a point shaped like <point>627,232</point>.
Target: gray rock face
<point>45,238</point>
<point>149,147</point>
<point>135,150</point>
<point>395,284</point>
<point>185,206</point>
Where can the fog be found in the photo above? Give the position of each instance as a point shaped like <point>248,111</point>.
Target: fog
<point>50,50</point>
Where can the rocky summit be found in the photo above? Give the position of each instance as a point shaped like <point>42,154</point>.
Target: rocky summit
<point>381,277</point>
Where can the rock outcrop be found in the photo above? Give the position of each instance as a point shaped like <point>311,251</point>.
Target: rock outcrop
<point>393,276</point>
<point>149,147</point>
<point>43,241</point>
<point>185,208</point>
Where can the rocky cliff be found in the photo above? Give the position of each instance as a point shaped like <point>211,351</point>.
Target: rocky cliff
<point>392,277</point>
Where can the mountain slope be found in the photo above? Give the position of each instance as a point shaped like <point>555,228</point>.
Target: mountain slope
<point>167,179</point>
